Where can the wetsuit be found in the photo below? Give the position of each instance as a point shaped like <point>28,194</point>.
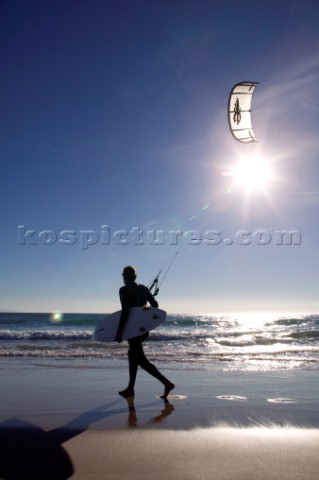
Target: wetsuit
<point>134,295</point>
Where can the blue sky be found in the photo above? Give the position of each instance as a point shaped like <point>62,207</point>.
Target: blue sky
<point>114,113</point>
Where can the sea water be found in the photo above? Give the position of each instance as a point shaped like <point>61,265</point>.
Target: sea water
<point>242,342</point>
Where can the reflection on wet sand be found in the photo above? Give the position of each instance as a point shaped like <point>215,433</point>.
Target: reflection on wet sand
<point>132,417</point>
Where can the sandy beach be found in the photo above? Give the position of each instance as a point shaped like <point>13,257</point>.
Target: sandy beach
<point>218,453</point>
<point>66,422</point>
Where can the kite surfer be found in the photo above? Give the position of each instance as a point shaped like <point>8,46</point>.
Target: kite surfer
<point>134,295</point>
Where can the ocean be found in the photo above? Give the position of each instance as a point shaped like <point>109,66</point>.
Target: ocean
<point>251,342</point>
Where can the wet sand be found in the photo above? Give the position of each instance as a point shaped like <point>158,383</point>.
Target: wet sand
<point>63,422</point>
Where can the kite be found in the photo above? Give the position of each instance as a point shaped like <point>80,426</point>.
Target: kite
<point>239,111</point>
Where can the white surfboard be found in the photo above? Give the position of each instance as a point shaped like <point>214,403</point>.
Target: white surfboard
<point>140,320</point>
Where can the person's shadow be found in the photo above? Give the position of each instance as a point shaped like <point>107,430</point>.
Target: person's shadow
<point>28,451</point>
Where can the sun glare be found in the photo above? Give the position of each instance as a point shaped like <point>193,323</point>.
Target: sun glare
<point>251,174</point>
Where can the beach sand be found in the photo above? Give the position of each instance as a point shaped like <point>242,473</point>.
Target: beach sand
<point>213,453</point>
<point>64,422</point>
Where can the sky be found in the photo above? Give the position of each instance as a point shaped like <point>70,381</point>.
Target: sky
<point>114,138</point>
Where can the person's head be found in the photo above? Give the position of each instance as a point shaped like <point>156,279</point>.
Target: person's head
<point>129,274</point>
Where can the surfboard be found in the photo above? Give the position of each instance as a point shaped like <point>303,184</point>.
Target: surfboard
<point>140,320</point>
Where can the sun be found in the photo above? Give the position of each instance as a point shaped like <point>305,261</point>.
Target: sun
<point>251,174</point>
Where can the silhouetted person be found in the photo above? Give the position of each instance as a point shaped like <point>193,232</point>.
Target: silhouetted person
<point>134,295</point>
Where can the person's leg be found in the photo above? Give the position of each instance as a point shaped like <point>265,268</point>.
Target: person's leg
<point>149,367</point>
<point>133,366</point>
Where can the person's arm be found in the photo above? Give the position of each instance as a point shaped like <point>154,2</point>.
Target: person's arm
<point>151,300</point>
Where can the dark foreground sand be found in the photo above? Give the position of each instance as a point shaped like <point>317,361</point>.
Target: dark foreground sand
<point>214,453</point>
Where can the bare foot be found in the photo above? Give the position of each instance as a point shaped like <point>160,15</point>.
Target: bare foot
<point>168,387</point>
<point>128,392</point>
